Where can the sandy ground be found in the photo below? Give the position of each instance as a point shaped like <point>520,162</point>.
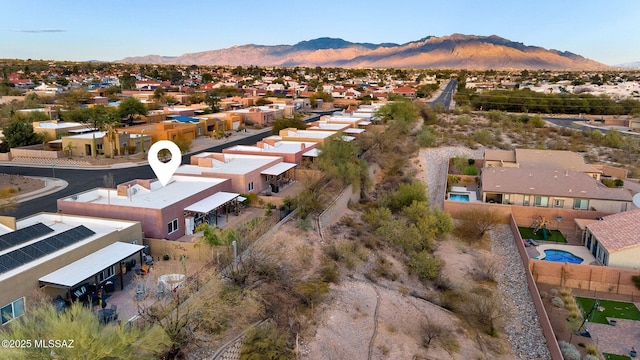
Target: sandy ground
<point>23,184</point>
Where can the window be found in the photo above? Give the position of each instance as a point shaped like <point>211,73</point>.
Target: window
<point>98,146</point>
<point>172,226</point>
<point>107,273</point>
<point>542,201</point>
<point>269,177</point>
<point>581,204</point>
<point>250,186</point>
<point>12,311</point>
<point>505,198</point>
<point>525,202</point>
<point>558,203</point>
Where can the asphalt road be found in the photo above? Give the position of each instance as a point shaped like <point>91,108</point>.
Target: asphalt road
<point>446,95</point>
<point>81,179</point>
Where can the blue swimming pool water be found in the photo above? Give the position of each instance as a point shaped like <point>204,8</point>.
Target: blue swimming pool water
<point>561,256</point>
<point>459,197</point>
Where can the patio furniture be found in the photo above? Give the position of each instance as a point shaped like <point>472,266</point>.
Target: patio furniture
<point>140,291</point>
<point>106,315</point>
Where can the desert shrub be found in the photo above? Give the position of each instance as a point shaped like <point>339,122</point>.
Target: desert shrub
<point>404,196</point>
<point>425,265</point>
<point>427,137</point>
<point>482,309</point>
<point>329,271</point>
<point>475,223</point>
<point>569,352</point>
<point>349,252</point>
<point>377,216</point>
<point>483,137</point>
<point>557,302</point>
<point>311,292</point>
<point>406,236</point>
<point>265,342</point>
<point>463,120</point>
<point>618,182</point>
<point>592,350</point>
<point>449,343</point>
<point>382,268</point>
<point>590,357</point>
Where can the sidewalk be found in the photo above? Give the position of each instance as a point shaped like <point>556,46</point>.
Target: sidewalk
<point>51,185</point>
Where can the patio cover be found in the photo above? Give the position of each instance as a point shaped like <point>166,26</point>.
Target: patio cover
<point>212,202</point>
<point>80,270</point>
<point>312,153</point>
<point>278,169</point>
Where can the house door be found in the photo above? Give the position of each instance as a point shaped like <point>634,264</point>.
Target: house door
<point>87,149</point>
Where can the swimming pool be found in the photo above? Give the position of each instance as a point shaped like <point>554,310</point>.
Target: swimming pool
<point>459,197</point>
<point>561,256</point>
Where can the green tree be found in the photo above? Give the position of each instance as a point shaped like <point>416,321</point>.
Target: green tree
<point>91,340</point>
<point>212,98</point>
<point>131,107</point>
<point>338,159</point>
<point>127,81</point>
<point>19,133</point>
<point>288,122</point>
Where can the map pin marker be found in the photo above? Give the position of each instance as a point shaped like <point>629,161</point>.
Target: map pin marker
<point>164,171</point>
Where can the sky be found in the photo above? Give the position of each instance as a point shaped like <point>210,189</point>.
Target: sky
<point>604,31</point>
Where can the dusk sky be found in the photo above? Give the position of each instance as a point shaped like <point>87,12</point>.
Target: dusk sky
<point>604,31</point>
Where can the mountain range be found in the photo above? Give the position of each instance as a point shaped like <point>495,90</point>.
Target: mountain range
<point>456,51</point>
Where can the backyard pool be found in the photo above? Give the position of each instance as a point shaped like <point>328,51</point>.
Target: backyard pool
<point>561,256</point>
<point>459,197</point>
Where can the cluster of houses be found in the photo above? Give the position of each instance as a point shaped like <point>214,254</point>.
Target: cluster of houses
<point>561,188</point>
<point>57,252</point>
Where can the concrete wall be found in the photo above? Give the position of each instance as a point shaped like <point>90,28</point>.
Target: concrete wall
<point>5,156</point>
<point>36,151</point>
<point>175,249</point>
<point>585,277</point>
<point>337,207</point>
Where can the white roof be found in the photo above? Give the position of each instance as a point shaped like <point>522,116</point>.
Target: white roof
<point>98,134</point>
<point>157,197</point>
<point>353,131</point>
<point>212,202</point>
<point>58,125</point>
<point>278,168</point>
<point>312,153</point>
<point>78,271</point>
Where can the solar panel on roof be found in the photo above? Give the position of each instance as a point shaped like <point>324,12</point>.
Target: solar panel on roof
<point>23,235</point>
<point>26,254</point>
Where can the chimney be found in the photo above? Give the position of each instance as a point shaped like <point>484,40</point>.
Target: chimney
<point>302,146</point>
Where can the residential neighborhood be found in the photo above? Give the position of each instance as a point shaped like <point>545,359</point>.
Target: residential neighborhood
<point>364,177</point>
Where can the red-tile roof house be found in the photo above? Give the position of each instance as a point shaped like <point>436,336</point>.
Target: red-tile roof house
<point>615,240</point>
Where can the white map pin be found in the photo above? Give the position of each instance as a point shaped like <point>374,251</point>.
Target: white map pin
<point>164,171</point>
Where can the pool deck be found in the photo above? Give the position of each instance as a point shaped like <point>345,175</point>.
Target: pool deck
<point>577,250</point>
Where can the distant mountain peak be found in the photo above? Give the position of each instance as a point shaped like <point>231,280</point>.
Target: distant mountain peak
<point>456,51</point>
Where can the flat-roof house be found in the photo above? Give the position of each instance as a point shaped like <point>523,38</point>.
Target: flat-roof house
<point>55,128</point>
<point>33,251</point>
<point>82,144</point>
<point>615,240</point>
<point>263,115</point>
<point>293,134</point>
<point>248,173</point>
<point>546,187</point>
<point>160,209</point>
<point>290,151</point>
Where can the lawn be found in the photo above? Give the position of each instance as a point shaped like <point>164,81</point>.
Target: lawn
<point>615,357</point>
<point>608,308</point>
<point>555,235</point>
